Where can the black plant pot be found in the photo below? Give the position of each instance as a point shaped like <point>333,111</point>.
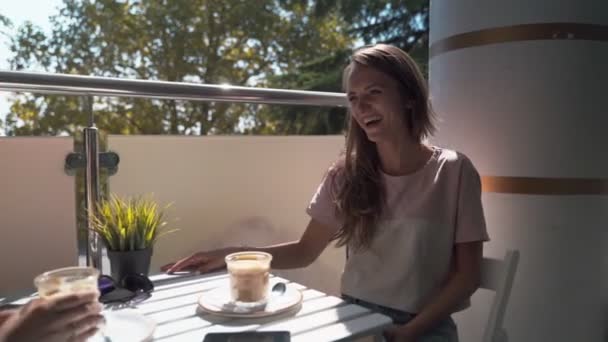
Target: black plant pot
<point>129,262</point>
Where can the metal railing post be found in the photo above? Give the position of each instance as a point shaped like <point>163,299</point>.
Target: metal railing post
<point>92,247</point>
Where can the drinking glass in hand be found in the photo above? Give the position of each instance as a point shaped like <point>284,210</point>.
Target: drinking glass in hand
<point>65,281</point>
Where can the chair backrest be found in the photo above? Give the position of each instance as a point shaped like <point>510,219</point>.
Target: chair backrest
<point>498,275</point>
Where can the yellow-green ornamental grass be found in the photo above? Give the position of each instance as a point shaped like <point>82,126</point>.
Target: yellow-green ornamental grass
<point>128,224</point>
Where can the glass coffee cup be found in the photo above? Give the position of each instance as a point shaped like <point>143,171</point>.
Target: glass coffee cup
<point>249,274</point>
<point>68,280</point>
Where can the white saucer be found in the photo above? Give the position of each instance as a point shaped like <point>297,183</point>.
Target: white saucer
<point>126,325</point>
<point>218,302</point>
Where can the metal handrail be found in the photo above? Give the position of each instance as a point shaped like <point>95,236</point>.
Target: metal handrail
<point>46,83</point>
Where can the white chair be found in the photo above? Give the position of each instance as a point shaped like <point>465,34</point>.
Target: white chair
<point>497,275</point>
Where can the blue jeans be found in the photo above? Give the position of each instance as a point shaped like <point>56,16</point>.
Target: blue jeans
<point>444,331</point>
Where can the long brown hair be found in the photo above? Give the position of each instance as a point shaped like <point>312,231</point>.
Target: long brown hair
<point>360,196</point>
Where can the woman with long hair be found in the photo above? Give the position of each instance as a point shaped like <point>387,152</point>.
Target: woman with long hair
<point>409,213</point>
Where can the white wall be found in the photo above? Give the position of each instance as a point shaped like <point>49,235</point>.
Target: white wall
<point>228,190</point>
<point>533,109</point>
<point>37,210</point>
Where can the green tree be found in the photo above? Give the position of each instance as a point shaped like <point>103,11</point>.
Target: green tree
<point>312,71</point>
<point>403,23</point>
<point>320,74</point>
<point>239,42</point>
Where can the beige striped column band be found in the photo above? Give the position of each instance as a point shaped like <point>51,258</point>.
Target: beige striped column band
<point>544,186</point>
<point>544,31</point>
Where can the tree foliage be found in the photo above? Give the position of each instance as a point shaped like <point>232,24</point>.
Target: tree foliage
<point>403,23</point>
<point>287,44</point>
<point>239,42</point>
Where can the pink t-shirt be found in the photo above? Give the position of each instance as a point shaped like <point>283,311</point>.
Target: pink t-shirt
<point>427,212</point>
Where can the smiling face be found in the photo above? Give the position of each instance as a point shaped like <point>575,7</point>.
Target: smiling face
<point>377,103</point>
<point>388,106</point>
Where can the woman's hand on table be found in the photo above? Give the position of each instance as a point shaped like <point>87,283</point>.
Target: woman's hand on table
<point>72,318</point>
<point>201,261</point>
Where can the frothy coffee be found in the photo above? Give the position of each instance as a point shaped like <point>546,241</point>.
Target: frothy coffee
<point>249,278</point>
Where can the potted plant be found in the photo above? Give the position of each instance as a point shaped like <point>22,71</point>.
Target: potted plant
<point>129,227</point>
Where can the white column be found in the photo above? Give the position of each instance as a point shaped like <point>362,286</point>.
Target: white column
<point>533,111</point>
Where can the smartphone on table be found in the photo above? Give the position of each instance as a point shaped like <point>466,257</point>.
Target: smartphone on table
<point>249,336</point>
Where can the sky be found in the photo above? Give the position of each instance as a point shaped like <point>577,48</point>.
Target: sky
<point>19,11</point>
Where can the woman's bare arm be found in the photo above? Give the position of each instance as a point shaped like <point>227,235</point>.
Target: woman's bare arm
<point>302,252</point>
<point>295,254</point>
